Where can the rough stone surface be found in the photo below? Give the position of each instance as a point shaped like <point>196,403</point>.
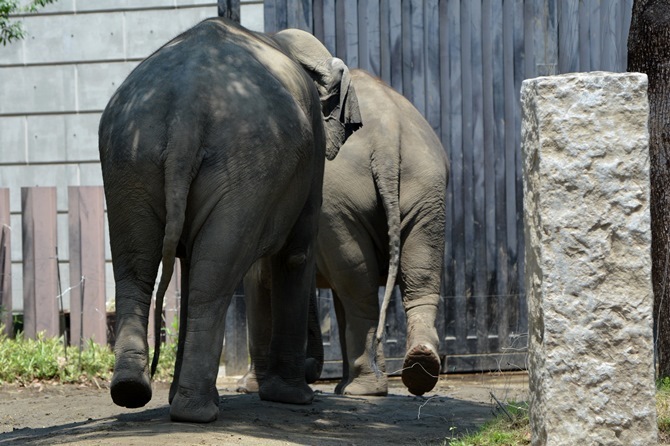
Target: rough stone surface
<point>588,261</point>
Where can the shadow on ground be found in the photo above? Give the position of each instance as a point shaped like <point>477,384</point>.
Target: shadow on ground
<point>86,416</point>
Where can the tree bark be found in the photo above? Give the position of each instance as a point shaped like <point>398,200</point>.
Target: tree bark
<point>649,52</point>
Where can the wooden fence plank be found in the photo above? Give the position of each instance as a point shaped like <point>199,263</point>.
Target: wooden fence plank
<point>87,265</point>
<point>416,71</point>
<point>456,301</point>
<point>486,306</point>
<point>40,266</point>
<point>395,39</point>
<point>6,305</point>
<point>318,20</point>
<point>568,36</point>
<point>595,43</point>
<point>364,38</point>
<point>584,50</point>
<point>299,15</point>
<point>385,41</point>
<point>350,29</point>
<point>406,47</point>
<point>235,352</point>
<point>432,56</point>
<point>329,26</point>
<point>229,9</point>
<point>172,305</point>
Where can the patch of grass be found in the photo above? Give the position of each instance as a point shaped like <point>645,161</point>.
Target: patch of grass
<point>24,360</point>
<point>663,408</point>
<point>503,431</point>
<point>506,429</point>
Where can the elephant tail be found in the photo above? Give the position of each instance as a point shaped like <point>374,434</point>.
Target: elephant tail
<point>181,166</point>
<point>386,171</point>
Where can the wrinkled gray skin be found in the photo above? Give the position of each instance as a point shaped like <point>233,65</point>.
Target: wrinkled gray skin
<point>212,150</point>
<point>382,223</point>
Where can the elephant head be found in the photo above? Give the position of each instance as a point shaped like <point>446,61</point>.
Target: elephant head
<point>339,104</point>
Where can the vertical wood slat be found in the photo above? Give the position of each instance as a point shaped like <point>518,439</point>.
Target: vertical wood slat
<point>300,15</point>
<point>329,26</point>
<point>40,274</point>
<point>456,302</point>
<point>87,265</point>
<point>568,36</point>
<point>235,352</point>
<point>172,305</point>
<point>6,305</point>
<point>229,9</point>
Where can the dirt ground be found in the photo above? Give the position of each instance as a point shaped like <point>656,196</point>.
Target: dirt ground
<point>84,415</point>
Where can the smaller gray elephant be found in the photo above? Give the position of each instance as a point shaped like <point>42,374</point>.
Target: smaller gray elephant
<point>382,223</point>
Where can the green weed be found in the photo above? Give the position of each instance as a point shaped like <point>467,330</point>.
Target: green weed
<point>507,429</point>
<point>24,360</point>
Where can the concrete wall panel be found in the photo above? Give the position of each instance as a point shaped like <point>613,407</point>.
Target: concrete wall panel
<point>40,89</point>
<point>70,38</point>
<point>46,138</point>
<point>13,140</point>
<point>146,31</point>
<point>81,137</point>
<point>96,83</point>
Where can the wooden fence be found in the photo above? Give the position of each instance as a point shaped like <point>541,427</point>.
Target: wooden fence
<point>461,63</point>
<point>87,317</point>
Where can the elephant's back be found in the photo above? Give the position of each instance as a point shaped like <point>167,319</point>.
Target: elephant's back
<point>393,121</point>
<point>210,79</point>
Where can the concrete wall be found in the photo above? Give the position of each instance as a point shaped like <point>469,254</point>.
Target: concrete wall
<point>55,83</point>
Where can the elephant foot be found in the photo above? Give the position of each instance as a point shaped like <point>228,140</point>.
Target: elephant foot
<point>421,369</point>
<point>312,370</point>
<point>248,383</point>
<point>192,408</point>
<point>130,389</point>
<point>364,386</point>
<point>274,388</point>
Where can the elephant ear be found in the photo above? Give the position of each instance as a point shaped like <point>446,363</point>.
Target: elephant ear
<point>339,104</point>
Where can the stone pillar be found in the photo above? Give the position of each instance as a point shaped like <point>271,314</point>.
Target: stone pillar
<point>588,261</point>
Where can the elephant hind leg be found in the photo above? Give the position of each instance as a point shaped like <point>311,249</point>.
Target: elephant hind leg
<point>420,276</point>
<point>293,272</point>
<point>136,240</point>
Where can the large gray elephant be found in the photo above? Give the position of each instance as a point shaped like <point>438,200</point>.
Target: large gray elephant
<point>382,223</point>
<point>212,151</point>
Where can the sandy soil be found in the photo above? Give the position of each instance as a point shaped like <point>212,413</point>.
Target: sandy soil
<point>65,414</point>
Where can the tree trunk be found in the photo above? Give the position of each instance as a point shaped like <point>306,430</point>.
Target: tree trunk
<point>229,9</point>
<point>649,52</point>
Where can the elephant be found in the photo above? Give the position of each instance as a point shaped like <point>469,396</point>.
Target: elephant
<point>383,213</point>
<point>212,151</point>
